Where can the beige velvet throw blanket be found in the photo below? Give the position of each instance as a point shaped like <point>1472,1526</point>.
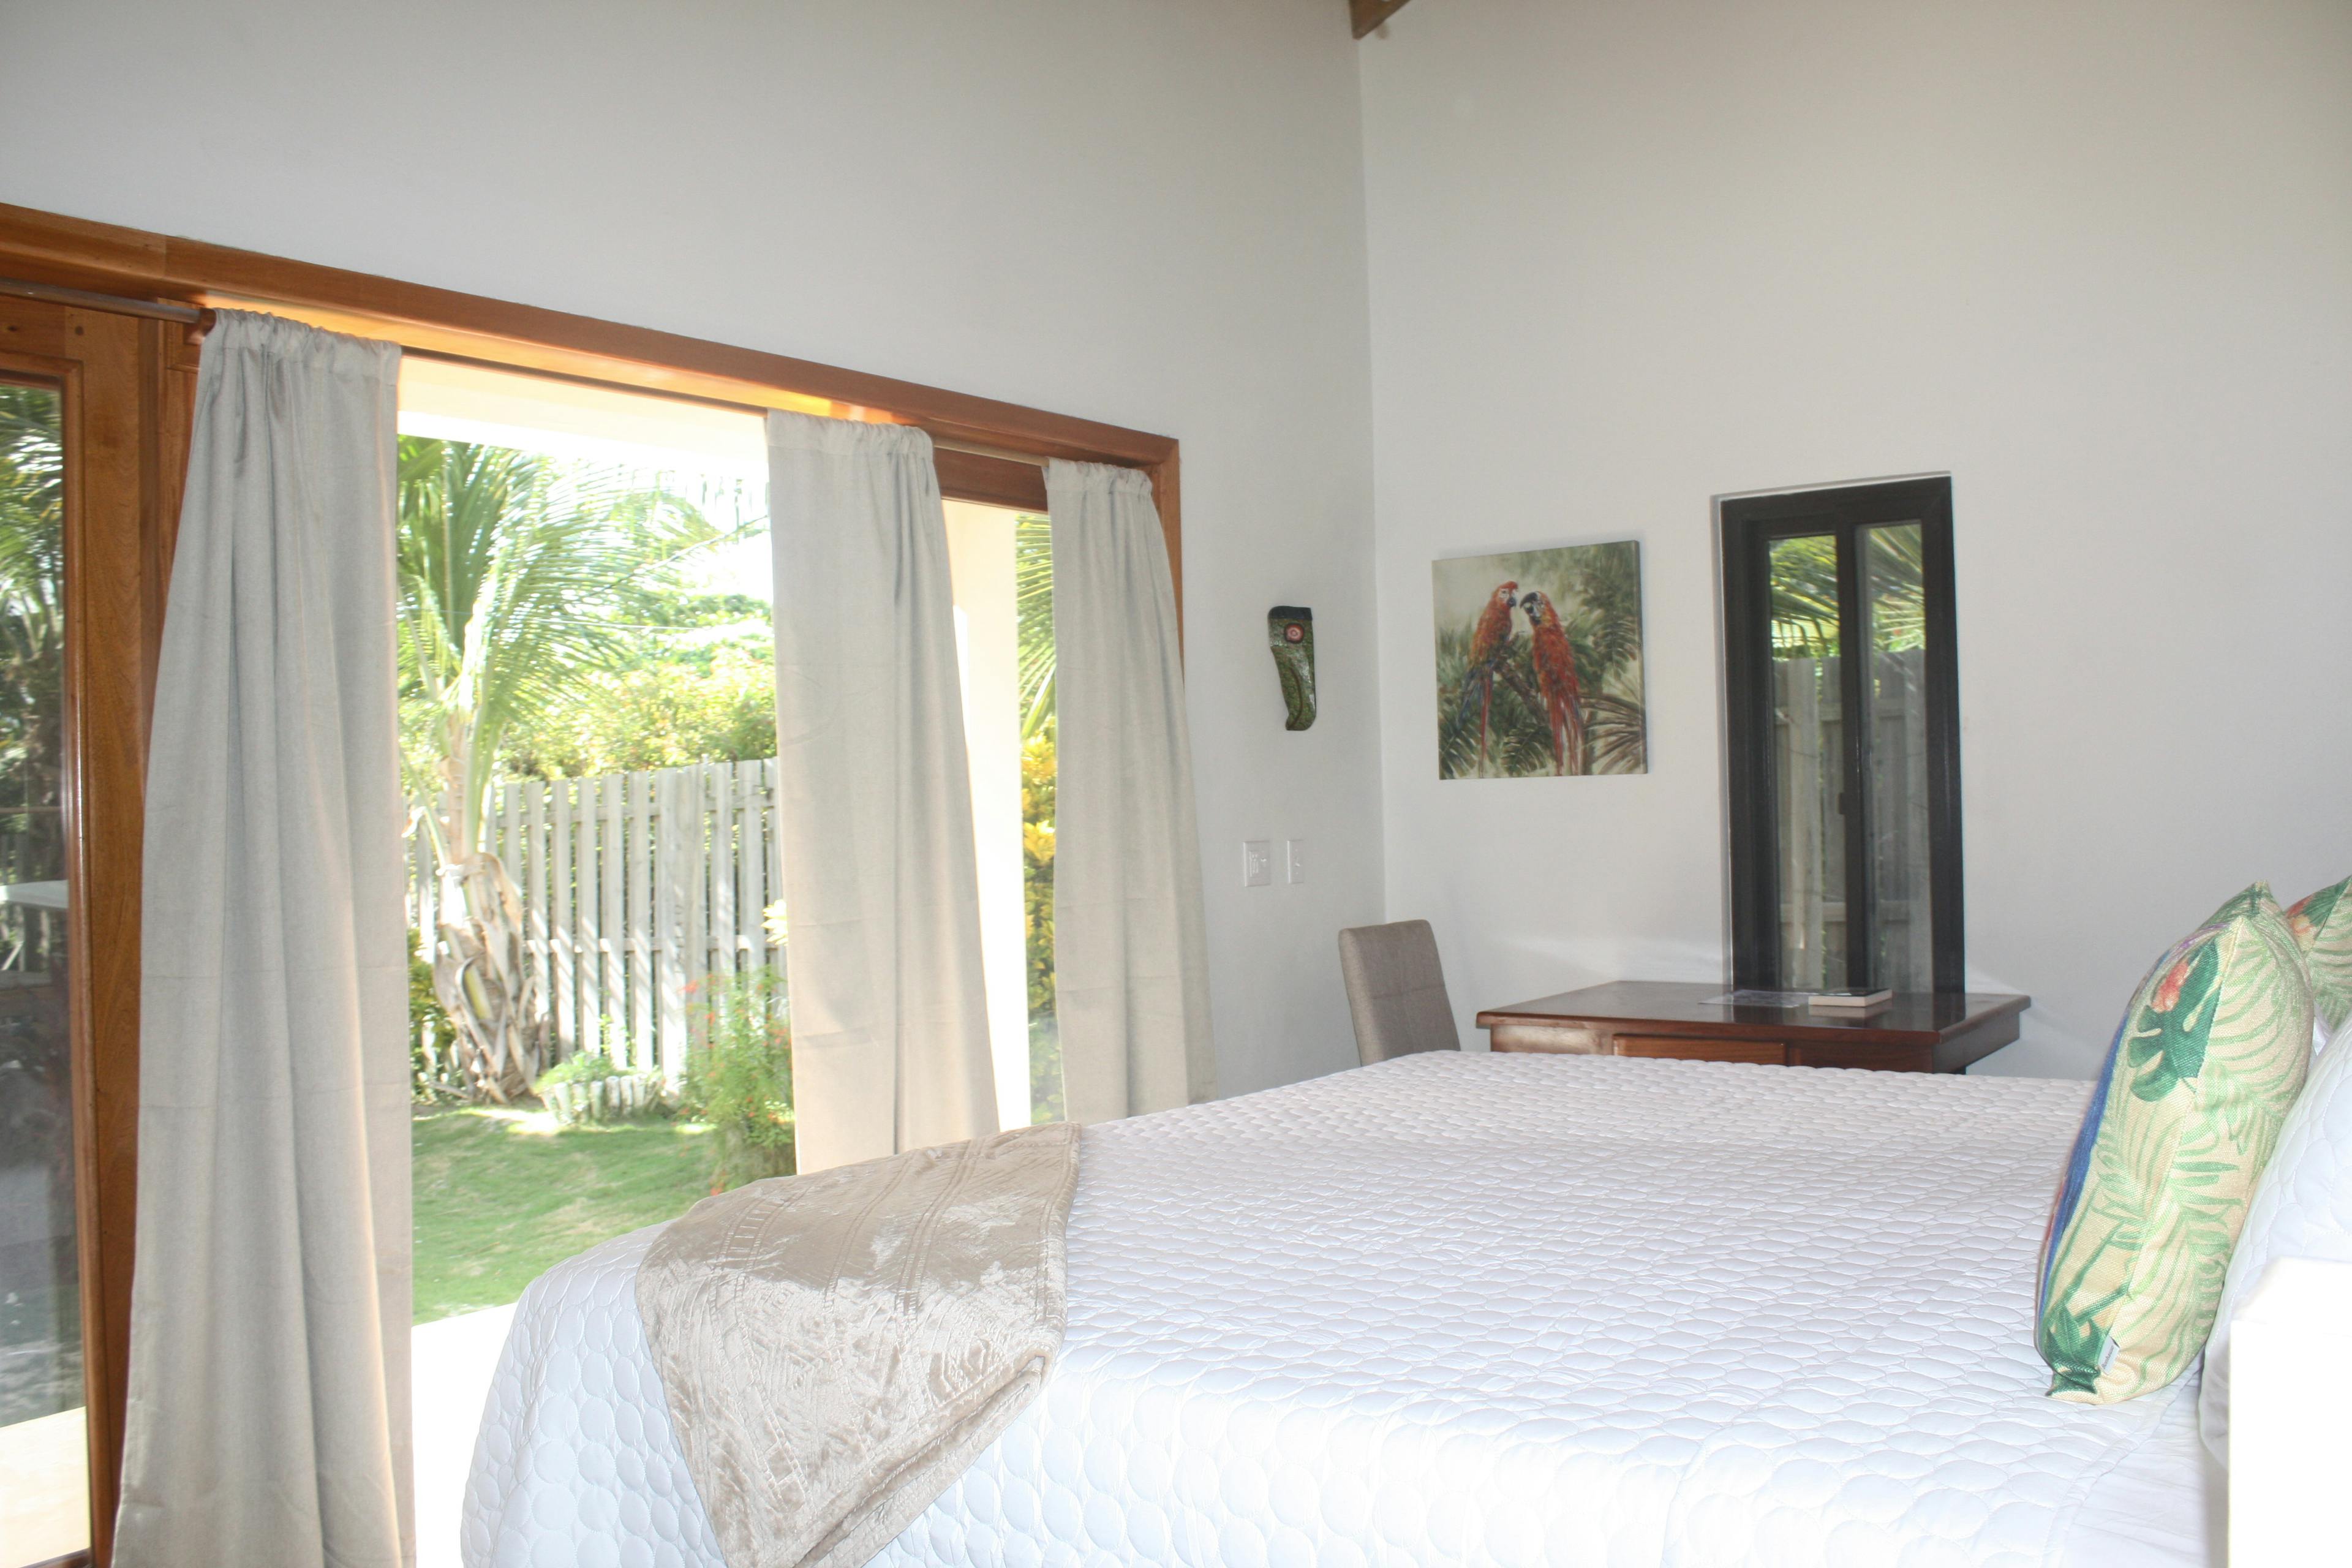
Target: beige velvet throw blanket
<point>838,1347</point>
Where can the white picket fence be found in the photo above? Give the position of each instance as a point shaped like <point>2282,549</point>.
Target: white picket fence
<point>634,887</point>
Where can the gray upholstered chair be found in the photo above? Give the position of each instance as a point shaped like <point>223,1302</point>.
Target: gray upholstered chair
<point>1396,991</point>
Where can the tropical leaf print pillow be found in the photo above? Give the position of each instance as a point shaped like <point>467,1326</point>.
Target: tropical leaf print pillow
<point>2210,1056</point>
<point>2322,924</point>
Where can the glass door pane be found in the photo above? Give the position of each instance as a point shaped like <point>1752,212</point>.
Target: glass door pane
<point>1894,601</point>
<point>44,1474</point>
<point>1843,736</point>
<point>1807,760</point>
<point>1032,543</point>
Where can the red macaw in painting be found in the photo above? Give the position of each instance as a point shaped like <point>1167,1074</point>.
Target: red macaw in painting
<point>1564,697</point>
<point>1490,646</point>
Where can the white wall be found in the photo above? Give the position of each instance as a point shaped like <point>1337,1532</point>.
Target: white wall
<point>1138,211</point>
<point>2094,259</point>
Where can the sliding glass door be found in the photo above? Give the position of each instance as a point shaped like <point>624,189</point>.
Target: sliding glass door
<point>92,410</point>
<point>44,1433</point>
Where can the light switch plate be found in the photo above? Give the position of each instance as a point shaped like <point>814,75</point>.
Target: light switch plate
<point>1258,862</point>
<point>1294,859</point>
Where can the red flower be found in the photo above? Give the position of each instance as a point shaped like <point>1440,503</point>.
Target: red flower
<point>2168,991</point>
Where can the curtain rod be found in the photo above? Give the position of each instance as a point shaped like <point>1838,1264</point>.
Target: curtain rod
<point>190,315</point>
<point>697,400</point>
<point>693,399</point>
<point>977,451</point>
<point>152,308</point>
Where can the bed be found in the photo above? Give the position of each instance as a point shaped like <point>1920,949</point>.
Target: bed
<point>1479,1308</point>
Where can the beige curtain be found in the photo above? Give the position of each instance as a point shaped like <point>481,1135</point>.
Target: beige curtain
<point>890,1047</point>
<point>1130,946</point>
<point>269,1385</point>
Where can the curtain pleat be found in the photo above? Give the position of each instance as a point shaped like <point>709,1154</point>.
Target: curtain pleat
<point>1130,944</point>
<point>890,1017</point>
<point>268,1382</point>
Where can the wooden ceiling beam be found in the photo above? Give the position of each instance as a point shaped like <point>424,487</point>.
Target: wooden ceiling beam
<point>1366,14</point>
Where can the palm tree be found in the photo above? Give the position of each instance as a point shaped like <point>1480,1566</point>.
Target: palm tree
<point>510,568</point>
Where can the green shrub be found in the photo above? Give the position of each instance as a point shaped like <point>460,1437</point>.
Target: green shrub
<point>739,1075</point>
<point>573,1091</point>
<point>432,1037</point>
<point>1046,1070</point>
<point>1037,791</point>
<point>581,1066</point>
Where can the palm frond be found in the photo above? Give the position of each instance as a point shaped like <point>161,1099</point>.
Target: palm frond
<point>1805,621</point>
<point>1616,736</point>
<point>1033,610</point>
<point>1608,608</point>
<point>1895,582</point>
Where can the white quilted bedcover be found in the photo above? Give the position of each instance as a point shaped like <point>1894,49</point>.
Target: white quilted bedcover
<point>1474,1308</point>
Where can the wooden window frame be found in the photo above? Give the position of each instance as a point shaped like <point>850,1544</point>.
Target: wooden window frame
<point>1750,526</point>
<point>987,451</point>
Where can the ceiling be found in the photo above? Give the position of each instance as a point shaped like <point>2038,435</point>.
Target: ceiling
<point>1366,14</point>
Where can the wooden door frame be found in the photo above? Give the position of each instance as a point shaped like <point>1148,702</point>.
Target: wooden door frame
<point>125,382</point>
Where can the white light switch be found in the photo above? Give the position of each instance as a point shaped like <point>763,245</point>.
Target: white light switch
<point>1258,862</point>
<point>1294,859</point>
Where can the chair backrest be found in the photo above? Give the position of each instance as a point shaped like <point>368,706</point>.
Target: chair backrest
<point>1396,991</point>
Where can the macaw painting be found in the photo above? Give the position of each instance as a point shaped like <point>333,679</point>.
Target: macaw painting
<point>1539,663</point>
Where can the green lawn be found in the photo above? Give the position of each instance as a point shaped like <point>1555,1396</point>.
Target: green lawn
<point>501,1195</point>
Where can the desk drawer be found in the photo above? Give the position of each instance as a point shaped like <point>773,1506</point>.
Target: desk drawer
<point>1566,1039</point>
<point>1766,1053</point>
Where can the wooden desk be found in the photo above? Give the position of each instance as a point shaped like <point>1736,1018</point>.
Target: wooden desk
<point>1916,1032</point>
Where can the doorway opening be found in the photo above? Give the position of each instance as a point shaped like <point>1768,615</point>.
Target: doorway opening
<point>600,1016</point>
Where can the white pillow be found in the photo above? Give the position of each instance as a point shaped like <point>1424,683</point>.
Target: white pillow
<point>2301,1207</point>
